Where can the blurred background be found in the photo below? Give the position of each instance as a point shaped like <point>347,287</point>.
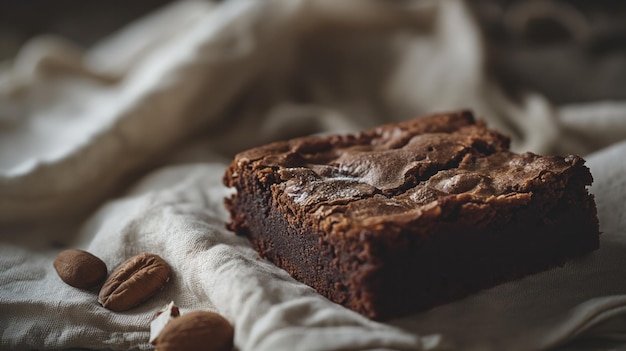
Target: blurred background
<point>568,50</point>
<point>82,22</point>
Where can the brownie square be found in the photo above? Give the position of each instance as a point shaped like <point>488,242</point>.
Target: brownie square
<point>410,215</point>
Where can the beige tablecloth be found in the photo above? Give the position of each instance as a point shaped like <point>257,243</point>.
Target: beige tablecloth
<point>120,149</point>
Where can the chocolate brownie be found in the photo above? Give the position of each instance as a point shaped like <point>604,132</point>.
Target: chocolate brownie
<point>410,215</point>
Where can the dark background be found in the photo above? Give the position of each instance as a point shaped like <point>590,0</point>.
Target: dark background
<point>82,22</point>
<point>570,51</point>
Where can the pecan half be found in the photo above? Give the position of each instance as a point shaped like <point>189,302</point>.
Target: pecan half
<point>134,281</point>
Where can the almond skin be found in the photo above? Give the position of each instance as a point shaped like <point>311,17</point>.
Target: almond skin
<point>80,269</point>
<point>133,282</point>
<point>198,330</point>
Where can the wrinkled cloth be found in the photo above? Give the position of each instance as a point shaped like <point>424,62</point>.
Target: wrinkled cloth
<point>120,149</point>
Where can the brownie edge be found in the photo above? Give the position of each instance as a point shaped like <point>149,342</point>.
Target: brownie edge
<point>410,215</point>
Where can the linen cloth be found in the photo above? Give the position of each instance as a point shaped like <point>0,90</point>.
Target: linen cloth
<point>120,149</point>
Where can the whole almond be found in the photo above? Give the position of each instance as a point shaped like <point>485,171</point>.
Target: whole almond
<point>133,282</point>
<point>80,269</point>
<point>199,330</point>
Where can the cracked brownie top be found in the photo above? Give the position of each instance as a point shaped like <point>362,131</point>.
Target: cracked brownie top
<point>403,169</point>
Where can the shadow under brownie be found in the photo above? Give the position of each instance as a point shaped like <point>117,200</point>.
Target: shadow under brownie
<point>410,215</point>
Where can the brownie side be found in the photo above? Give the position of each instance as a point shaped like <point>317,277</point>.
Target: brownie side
<point>410,215</point>
<point>292,246</point>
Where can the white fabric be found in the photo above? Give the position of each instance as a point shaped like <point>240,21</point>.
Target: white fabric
<point>120,150</point>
